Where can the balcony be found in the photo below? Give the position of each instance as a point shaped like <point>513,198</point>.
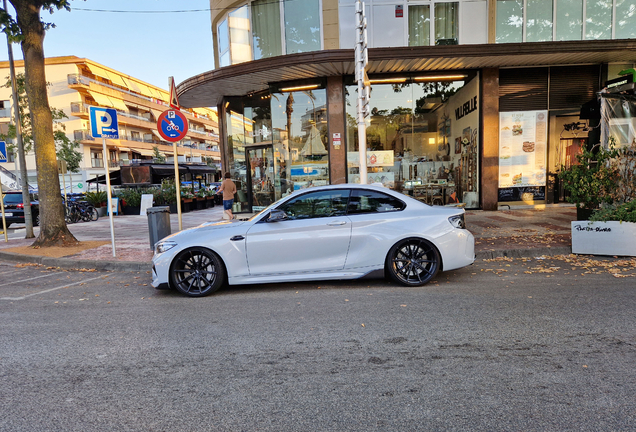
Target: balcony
<point>5,113</point>
<point>82,135</point>
<point>97,163</point>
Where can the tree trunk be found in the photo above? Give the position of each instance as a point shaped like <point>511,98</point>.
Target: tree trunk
<point>53,229</point>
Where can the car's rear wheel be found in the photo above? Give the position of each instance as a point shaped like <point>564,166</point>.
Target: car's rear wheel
<point>413,262</point>
<point>37,220</point>
<point>197,272</point>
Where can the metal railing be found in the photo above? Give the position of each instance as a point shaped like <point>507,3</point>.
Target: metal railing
<point>97,163</point>
<point>82,135</point>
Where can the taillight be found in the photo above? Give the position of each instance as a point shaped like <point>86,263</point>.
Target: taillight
<point>20,206</point>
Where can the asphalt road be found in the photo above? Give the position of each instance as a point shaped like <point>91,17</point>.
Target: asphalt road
<point>517,345</point>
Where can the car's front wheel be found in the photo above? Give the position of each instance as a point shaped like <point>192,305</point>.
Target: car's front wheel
<point>197,272</point>
<point>413,262</point>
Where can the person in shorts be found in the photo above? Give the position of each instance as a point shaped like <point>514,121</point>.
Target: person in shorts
<point>229,189</point>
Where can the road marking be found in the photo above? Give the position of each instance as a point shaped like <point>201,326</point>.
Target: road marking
<point>24,280</point>
<point>49,290</point>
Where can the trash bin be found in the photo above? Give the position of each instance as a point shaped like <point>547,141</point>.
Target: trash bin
<point>158,223</point>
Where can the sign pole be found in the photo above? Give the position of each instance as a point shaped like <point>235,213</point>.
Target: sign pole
<point>110,196</point>
<point>4,221</point>
<point>177,183</point>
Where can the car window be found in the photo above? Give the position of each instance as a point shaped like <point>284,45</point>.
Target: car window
<point>317,204</point>
<point>367,201</point>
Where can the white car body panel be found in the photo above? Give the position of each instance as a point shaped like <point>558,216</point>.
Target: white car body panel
<point>298,246</point>
<point>328,248</point>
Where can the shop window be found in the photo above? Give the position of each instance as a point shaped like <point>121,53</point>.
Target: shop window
<point>302,26</point>
<point>300,140</point>
<point>266,32</point>
<point>509,21</point>
<point>422,139</point>
<point>569,20</point>
<point>419,25</point>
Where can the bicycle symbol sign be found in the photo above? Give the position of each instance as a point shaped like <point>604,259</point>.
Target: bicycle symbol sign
<point>172,125</point>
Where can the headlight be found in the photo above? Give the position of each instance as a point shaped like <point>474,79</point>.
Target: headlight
<point>162,247</point>
<point>457,221</point>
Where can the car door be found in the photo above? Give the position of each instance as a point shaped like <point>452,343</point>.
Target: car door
<point>314,237</point>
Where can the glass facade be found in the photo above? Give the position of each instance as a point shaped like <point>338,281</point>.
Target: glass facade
<point>446,23</point>
<point>547,20</point>
<point>423,138</point>
<point>276,143</point>
<point>266,28</point>
<point>419,25</point>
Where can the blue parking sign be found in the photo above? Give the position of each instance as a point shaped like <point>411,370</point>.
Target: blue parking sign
<point>3,151</point>
<point>104,123</point>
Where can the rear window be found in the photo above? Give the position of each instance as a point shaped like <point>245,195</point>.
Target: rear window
<point>13,198</point>
<point>366,201</point>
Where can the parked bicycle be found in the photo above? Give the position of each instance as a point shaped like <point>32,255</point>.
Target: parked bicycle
<point>77,210</point>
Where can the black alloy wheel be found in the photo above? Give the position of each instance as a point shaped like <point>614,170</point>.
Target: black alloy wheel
<point>197,272</point>
<point>37,220</point>
<point>413,262</point>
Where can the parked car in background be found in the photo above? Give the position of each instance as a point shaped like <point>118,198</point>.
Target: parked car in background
<point>14,208</point>
<point>334,232</point>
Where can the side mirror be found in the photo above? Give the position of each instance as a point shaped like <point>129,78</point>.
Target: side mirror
<point>276,216</point>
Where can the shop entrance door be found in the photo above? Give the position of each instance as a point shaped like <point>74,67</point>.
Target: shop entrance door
<point>261,163</point>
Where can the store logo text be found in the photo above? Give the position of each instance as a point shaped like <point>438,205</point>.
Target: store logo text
<point>466,109</point>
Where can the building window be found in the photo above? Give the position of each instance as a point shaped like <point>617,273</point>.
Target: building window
<point>239,24</point>
<point>625,19</point>
<point>509,21</point>
<point>5,109</point>
<point>419,25</point>
<point>266,31</point>
<point>547,20</point>
<point>302,26</point>
<point>242,39</point>
<point>224,44</point>
<point>97,160</point>
<point>569,20</point>
<point>446,23</point>
<point>598,19</point>
<point>539,20</point>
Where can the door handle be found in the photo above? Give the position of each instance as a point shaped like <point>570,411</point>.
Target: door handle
<point>237,238</point>
<point>338,223</point>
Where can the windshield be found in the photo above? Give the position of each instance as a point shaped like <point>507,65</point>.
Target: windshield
<point>13,198</point>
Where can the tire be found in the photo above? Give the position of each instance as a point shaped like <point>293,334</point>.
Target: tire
<point>94,214</point>
<point>36,220</point>
<point>413,262</point>
<point>197,272</point>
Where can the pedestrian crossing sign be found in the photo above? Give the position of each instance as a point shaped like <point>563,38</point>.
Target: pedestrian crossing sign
<point>3,151</point>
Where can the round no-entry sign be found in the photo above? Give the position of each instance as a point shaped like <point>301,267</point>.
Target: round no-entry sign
<point>172,125</point>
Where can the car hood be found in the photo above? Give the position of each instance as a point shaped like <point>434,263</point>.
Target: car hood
<point>207,228</point>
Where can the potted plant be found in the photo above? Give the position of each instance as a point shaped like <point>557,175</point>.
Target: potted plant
<point>611,229</point>
<point>187,196</point>
<point>201,197</point>
<point>98,200</point>
<point>591,180</point>
<point>130,201</point>
<point>167,195</point>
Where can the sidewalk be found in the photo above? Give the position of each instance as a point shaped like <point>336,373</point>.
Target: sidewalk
<point>526,232</point>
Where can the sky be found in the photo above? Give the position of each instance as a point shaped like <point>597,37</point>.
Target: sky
<point>147,46</point>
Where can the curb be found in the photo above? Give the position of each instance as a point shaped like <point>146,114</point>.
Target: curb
<point>67,263</point>
<point>524,253</point>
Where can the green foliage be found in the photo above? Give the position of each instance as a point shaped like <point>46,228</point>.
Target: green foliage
<point>66,149</point>
<point>167,194</point>
<point>158,156</point>
<point>10,26</point>
<point>593,179</point>
<point>625,212</point>
<point>97,198</point>
<point>131,196</point>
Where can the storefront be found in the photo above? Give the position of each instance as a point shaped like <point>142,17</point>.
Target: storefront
<point>422,138</point>
<point>276,144</point>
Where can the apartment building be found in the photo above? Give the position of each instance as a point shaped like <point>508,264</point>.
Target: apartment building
<point>470,99</point>
<point>78,83</point>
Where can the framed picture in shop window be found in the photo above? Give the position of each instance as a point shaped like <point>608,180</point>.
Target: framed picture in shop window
<point>458,145</point>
